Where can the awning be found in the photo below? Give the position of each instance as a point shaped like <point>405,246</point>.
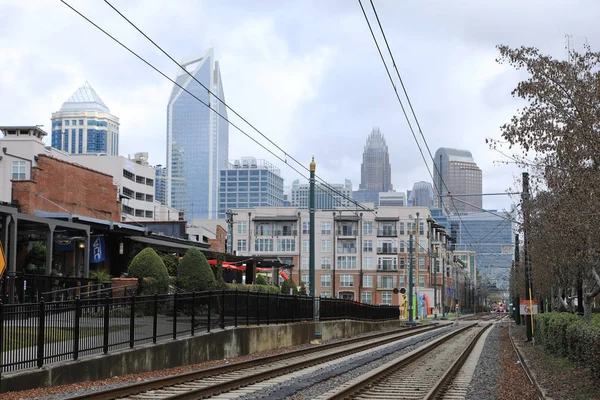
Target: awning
<point>276,218</point>
<point>347,218</point>
<point>168,244</point>
<point>284,275</point>
<point>387,218</point>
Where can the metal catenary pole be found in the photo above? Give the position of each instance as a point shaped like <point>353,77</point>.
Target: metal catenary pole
<point>410,277</point>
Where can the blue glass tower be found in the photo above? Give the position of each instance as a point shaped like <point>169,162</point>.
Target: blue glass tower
<point>197,140</point>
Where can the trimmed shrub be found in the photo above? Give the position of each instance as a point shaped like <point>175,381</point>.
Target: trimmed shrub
<point>150,269</point>
<point>170,261</point>
<point>287,285</point>
<point>260,280</point>
<point>194,273</point>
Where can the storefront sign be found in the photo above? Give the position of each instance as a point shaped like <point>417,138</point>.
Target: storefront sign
<point>96,249</point>
<point>526,307</point>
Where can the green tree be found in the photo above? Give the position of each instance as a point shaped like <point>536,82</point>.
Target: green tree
<point>194,273</point>
<point>260,280</point>
<point>37,257</point>
<point>287,285</point>
<point>170,261</point>
<point>149,267</point>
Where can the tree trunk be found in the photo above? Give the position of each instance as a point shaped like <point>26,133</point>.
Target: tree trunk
<point>589,296</point>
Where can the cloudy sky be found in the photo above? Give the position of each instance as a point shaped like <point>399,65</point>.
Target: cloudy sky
<point>305,72</point>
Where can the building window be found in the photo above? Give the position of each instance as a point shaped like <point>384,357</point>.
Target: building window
<point>149,182</point>
<point>242,228</point>
<point>402,228</point>
<point>368,246</point>
<point>367,280</point>
<point>73,122</point>
<point>150,198</point>
<point>325,280</point>
<point>326,228</point>
<point>305,278</point>
<point>368,228</point>
<point>325,262</point>
<point>421,281</point>
<point>67,122</point>
<point>129,175</point>
<point>346,262</point>
<point>367,263</point>
<point>305,263</point>
<point>305,245</point>
<point>18,170</point>
<point>139,213</point>
<point>149,214</point>
<point>386,298</point>
<point>402,263</point>
<point>140,179</point>
<point>305,227</point>
<point>346,280</point>
<point>366,297</point>
<point>401,282</point>
<point>263,245</point>
<point>402,248</point>
<point>242,245</point>
<point>386,282</point>
<point>421,229</point>
<point>326,245</point>
<point>421,263</point>
<point>139,196</point>
<point>325,295</point>
<point>286,245</point>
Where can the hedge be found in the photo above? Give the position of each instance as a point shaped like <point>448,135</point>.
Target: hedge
<point>149,267</point>
<point>567,335</point>
<point>194,273</point>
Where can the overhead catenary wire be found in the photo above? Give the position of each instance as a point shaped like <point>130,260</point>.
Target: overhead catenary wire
<point>285,153</point>
<point>323,183</point>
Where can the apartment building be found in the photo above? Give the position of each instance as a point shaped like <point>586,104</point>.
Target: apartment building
<point>361,256</point>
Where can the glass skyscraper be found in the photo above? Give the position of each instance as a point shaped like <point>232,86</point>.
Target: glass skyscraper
<point>421,195</point>
<point>376,171</point>
<point>458,175</point>
<point>249,183</point>
<point>84,125</point>
<point>197,139</point>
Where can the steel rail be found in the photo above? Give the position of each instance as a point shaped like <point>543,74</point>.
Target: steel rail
<point>166,382</point>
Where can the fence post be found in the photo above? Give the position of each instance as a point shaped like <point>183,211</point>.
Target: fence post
<point>132,323</point>
<point>223,309</point>
<point>76,328</point>
<point>257,308</point>
<point>106,323</point>
<point>209,309</point>
<point>268,309</point>
<point>155,318</point>
<point>235,308</point>
<point>40,342</point>
<point>2,322</point>
<point>193,311</point>
<point>277,308</point>
<point>247,307</point>
<point>175,316</point>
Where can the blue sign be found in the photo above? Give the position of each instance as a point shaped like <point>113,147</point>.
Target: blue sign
<point>96,249</point>
<point>447,292</point>
<point>62,241</point>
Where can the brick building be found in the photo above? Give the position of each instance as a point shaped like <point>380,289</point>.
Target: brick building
<point>59,186</point>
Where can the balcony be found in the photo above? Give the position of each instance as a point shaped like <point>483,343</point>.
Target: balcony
<point>387,232</point>
<point>387,267</point>
<point>387,250</point>
<point>346,232</point>
<point>346,250</point>
<point>266,232</point>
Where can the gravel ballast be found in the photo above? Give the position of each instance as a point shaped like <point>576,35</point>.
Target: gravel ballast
<point>488,370</point>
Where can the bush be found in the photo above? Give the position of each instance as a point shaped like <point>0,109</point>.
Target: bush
<point>100,275</point>
<point>148,266</point>
<point>194,273</point>
<point>170,261</point>
<point>287,285</point>
<point>260,280</point>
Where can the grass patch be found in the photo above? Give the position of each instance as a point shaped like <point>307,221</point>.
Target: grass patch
<point>17,337</point>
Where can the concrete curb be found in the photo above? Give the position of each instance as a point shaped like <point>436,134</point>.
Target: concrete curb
<point>530,375</point>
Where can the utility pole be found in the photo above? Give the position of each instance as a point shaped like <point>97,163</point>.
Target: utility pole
<point>418,265</point>
<point>311,206</point>
<point>528,284</point>
<point>229,221</point>
<point>515,297</point>
<point>435,261</point>
<point>456,288</point>
<point>410,277</point>
<point>444,282</point>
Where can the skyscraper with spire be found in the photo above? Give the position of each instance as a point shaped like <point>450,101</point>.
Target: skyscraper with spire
<point>84,125</point>
<point>376,171</point>
<point>197,139</point>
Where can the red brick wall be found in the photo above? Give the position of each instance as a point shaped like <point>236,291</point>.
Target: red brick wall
<point>79,190</point>
<point>218,243</point>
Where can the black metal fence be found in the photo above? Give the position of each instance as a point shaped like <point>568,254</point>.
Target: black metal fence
<point>36,334</point>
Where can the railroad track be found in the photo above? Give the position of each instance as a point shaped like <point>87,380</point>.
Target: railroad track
<point>420,374</point>
<point>216,380</point>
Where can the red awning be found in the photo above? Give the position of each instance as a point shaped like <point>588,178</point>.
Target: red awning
<point>284,275</point>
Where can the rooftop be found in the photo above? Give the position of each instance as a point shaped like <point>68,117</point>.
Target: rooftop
<point>85,99</point>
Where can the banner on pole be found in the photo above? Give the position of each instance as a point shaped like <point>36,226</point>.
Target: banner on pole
<point>526,307</point>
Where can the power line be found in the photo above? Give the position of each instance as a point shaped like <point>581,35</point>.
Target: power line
<point>286,154</point>
<point>215,111</point>
<point>409,102</point>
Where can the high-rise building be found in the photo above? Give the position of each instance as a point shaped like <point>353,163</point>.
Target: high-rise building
<point>392,199</point>
<point>84,125</point>
<point>197,139</point>
<point>160,193</point>
<point>459,176</point>
<point>249,183</point>
<point>421,195</point>
<point>376,171</point>
<point>334,195</point>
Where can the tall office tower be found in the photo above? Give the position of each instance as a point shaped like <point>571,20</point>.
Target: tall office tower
<point>376,171</point>
<point>421,195</point>
<point>461,176</point>
<point>334,195</point>
<point>160,184</point>
<point>197,139</point>
<point>249,183</point>
<point>84,125</point>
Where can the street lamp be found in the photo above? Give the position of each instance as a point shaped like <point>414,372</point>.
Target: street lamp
<point>410,278</point>
<point>444,284</point>
<point>435,282</point>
